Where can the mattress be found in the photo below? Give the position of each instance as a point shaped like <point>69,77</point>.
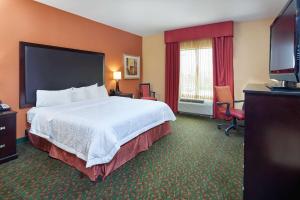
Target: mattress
<point>94,130</point>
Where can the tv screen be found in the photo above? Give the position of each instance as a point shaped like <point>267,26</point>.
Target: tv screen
<point>282,58</point>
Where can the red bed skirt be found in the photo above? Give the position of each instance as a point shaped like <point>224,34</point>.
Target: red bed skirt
<point>125,153</point>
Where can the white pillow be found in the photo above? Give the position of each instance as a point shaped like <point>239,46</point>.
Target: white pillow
<point>78,94</point>
<point>102,91</point>
<point>94,92</point>
<point>91,91</point>
<point>46,98</point>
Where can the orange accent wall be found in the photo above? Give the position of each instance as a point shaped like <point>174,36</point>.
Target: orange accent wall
<point>26,20</point>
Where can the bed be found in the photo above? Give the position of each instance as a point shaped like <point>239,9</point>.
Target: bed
<point>96,136</point>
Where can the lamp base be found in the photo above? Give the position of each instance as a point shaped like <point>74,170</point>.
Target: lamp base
<point>117,87</point>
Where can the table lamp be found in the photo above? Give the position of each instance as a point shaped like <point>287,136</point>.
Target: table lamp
<point>117,76</point>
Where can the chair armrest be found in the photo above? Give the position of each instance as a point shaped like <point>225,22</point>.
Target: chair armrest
<point>239,101</point>
<point>227,107</point>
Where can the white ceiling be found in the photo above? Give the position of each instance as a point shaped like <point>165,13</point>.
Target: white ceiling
<point>146,17</point>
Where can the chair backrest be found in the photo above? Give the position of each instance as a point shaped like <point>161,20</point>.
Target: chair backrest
<point>145,90</point>
<point>223,94</point>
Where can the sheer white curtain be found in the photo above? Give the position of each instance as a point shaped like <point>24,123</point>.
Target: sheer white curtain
<point>196,70</point>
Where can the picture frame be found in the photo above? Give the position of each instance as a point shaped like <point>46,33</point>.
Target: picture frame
<point>132,67</point>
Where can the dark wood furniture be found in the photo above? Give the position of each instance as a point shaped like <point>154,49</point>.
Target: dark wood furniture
<point>121,94</point>
<point>272,144</point>
<point>7,136</point>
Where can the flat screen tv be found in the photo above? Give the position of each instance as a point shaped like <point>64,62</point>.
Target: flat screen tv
<point>284,45</point>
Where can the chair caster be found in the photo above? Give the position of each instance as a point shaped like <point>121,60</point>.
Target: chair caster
<point>227,132</point>
<point>232,126</point>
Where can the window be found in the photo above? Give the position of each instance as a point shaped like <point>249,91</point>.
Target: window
<point>196,70</point>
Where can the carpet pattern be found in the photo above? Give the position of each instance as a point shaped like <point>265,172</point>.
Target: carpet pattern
<point>197,161</point>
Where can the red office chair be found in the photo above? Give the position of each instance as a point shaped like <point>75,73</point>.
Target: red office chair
<point>146,93</point>
<point>225,105</point>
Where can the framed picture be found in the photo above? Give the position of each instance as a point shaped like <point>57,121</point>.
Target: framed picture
<point>131,67</point>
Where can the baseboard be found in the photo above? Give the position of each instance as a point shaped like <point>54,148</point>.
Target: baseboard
<point>22,140</point>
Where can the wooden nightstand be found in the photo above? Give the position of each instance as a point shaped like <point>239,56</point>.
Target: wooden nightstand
<point>8,150</point>
<point>129,95</point>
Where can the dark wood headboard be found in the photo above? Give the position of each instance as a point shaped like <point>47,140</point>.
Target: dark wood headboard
<point>44,67</point>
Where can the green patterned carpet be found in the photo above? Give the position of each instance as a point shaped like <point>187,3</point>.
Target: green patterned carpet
<point>197,161</point>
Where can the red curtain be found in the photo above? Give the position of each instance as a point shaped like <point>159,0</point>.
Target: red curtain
<point>200,32</point>
<point>223,66</point>
<point>222,34</point>
<point>172,75</point>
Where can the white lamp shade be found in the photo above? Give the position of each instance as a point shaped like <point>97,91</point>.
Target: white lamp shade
<point>117,75</point>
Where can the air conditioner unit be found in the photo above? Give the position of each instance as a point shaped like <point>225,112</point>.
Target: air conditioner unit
<point>203,107</point>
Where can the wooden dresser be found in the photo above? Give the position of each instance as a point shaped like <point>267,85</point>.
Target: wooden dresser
<point>7,136</point>
<point>272,144</point>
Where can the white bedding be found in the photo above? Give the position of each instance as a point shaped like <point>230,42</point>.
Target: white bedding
<point>31,113</point>
<point>94,130</point>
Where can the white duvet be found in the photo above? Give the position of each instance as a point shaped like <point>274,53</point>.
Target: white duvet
<point>94,130</point>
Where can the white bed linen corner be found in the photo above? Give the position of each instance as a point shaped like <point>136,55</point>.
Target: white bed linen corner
<point>94,130</point>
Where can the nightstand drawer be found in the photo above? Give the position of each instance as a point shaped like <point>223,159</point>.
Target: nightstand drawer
<point>6,149</point>
<point>7,136</point>
<point>7,125</point>
<point>3,129</point>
